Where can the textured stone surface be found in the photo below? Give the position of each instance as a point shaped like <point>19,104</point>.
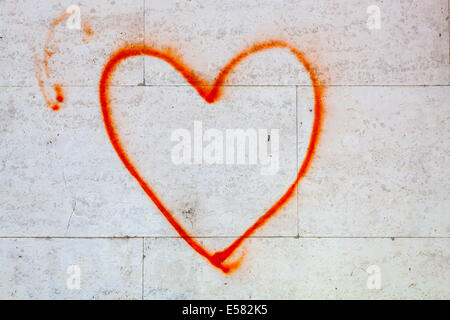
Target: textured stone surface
<point>301,269</point>
<point>378,170</point>
<point>24,28</point>
<point>44,268</point>
<point>411,46</point>
<point>211,199</point>
<point>64,178</point>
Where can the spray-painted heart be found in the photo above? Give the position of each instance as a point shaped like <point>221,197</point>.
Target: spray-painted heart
<point>210,93</point>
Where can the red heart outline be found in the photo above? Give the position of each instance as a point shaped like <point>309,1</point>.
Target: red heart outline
<point>210,93</point>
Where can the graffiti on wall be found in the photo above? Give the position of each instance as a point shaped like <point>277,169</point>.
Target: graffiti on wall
<point>210,93</point>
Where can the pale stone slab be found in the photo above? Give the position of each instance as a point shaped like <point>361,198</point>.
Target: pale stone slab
<point>211,199</point>
<point>282,268</point>
<point>46,268</point>
<point>24,27</point>
<point>380,171</point>
<point>411,46</point>
<point>380,166</point>
<point>61,176</point>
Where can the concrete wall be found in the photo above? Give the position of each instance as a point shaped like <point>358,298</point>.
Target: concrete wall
<point>371,218</point>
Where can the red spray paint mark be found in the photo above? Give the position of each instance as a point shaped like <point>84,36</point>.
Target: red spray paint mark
<point>59,93</point>
<point>87,31</point>
<point>43,73</point>
<point>210,93</point>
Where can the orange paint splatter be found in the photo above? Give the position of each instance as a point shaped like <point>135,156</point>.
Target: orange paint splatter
<point>59,93</point>
<point>210,92</point>
<point>50,34</point>
<point>87,31</point>
<point>44,75</point>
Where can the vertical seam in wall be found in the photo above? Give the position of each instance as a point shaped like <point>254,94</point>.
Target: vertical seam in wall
<point>143,57</point>
<point>143,83</point>
<point>142,266</point>
<point>296,153</point>
<point>448,32</point>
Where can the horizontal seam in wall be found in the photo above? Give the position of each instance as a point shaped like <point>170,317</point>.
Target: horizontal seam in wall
<point>227,237</point>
